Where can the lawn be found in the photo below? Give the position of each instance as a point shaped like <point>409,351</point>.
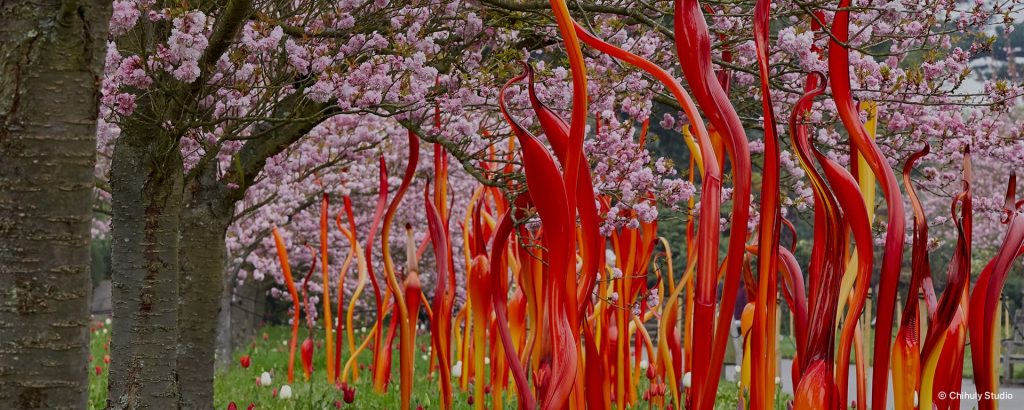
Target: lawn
<point>269,353</point>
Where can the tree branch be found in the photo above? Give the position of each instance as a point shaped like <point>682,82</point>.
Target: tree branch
<point>251,158</point>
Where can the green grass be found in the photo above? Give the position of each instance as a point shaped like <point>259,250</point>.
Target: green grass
<point>238,385</point>
<point>99,338</point>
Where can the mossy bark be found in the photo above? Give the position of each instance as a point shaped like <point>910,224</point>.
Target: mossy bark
<point>146,181</point>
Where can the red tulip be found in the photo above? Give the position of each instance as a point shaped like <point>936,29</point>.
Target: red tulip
<point>337,404</point>
<point>245,361</point>
<point>99,370</point>
<point>232,406</point>
<point>349,394</point>
<point>106,359</point>
<point>469,400</point>
<point>252,406</point>
<point>307,357</point>
<point>273,393</point>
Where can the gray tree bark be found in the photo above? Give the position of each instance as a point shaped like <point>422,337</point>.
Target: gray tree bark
<point>223,351</point>
<point>51,56</point>
<point>204,222</point>
<point>147,190</point>
<point>247,307</point>
<point>209,210</point>
<point>146,181</point>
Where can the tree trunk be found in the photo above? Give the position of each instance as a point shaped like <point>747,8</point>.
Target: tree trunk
<point>202,270</point>
<point>224,331</point>
<point>52,54</point>
<point>247,309</point>
<point>204,222</point>
<point>146,181</point>
<point>210,209</point>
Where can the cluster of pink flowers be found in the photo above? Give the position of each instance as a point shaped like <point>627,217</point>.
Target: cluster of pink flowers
<point>926,89</point>
<point>372,76</point>
<point>354,144</point>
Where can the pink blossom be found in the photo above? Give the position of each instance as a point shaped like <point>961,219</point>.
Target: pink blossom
<point>187,72</point>
<point>124,17</point>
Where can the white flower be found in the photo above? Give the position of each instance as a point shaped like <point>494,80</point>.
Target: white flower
<point>644,364</point>
<point>616,273</point>
<point>487,361</point>
<point>105,331</point>
<point>362,329</point>
<point>107,321</point>
<point>265,379</point>
<point>284,342</point>
<point>915,399</point>
<point>425,357</point>
<point>285,393</point>
<point>686,380</point>
<point>457,369</point>
<point>652,300</point>
<point>778,380</point>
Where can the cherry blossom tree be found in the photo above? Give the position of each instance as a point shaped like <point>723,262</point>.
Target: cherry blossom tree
<point>196,100</point>
<point>222,120</point>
